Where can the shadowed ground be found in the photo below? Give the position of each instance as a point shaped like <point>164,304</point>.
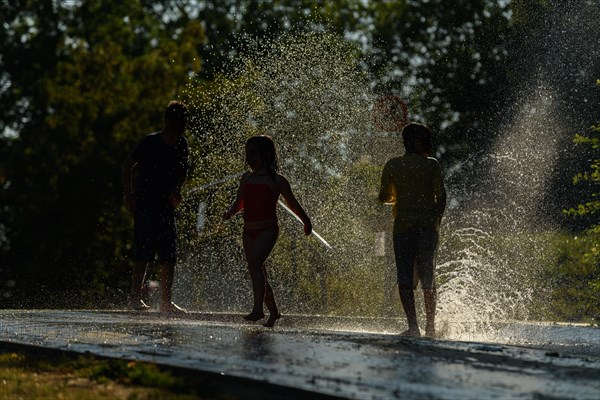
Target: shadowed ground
<point>330,356</point>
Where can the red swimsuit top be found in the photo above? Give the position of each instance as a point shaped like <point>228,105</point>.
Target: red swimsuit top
<point>260,202</point>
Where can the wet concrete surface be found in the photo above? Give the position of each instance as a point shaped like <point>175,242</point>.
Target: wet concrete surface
<point>350,358</point>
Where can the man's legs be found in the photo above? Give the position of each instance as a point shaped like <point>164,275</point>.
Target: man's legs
<point>142,235</point>
<point>137,282</point>
<point>167,254</point>
<point>167,272</point>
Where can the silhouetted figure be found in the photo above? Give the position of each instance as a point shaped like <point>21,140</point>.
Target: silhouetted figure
<point>257,195</point>
<point>162,162</point>
<point>414,185</point>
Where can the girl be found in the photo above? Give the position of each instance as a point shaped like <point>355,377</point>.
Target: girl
<point>257,195</point>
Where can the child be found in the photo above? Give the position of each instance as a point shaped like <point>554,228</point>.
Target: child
<point>162,161</point>
<point>257,195</point>
<point>413,183</point>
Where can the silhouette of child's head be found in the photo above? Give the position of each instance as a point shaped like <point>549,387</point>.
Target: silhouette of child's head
<point>260,151</point>
<point>417,138</point>
<point>177,114</point>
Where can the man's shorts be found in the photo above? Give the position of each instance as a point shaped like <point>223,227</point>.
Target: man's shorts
<point>415,251</point>
<point>155,232</point>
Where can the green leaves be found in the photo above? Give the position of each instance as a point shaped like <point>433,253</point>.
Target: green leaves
<point>98,80</point>
<point>591,177</point>
<point>589,296</point>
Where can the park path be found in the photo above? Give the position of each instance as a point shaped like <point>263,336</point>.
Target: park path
<point>359,364</point>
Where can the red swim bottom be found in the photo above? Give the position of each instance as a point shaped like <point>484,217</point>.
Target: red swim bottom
<point>254,233</point>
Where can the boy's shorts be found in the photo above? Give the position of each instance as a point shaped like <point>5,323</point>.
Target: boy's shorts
<point>415,251</point>
<point>155,232</point>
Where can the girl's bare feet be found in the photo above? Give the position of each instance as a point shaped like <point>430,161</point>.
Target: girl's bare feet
<point>411,332</point>
<point>271,321</point>
<point>254,316</point>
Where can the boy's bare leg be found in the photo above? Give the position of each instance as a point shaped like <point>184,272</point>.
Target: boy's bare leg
<point>137,282</point>
<point>430,297</point>
<point>407,297</point>
<point>167,270</point>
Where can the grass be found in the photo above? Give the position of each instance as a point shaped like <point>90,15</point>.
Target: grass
<point>27,373</point>
<point>30,372</point>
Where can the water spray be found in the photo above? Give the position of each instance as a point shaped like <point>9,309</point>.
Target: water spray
<point>202,206</point>
<point>213,183</point>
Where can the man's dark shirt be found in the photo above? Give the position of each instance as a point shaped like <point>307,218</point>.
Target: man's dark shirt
<point>161,167</point>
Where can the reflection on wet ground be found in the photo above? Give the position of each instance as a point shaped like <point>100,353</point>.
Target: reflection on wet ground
<point>325,355</point>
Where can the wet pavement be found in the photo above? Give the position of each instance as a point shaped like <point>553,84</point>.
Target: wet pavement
<point>357,358</point>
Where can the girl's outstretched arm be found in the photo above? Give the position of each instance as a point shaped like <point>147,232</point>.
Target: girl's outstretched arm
<point>290,200</point>
<point>238,203</point>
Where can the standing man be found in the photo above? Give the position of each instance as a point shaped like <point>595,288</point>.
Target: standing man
<point>414,185</point>
<point>161,160</point>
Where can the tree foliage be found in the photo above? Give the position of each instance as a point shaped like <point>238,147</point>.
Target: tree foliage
<point>80,91</point>
<point>449,60</point>
<point>589,208</point>
<point>577,276</point>
<point>81,82</point>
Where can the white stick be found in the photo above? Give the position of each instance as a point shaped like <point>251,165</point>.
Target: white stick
<point>286,208</point>
<point>281,203</point>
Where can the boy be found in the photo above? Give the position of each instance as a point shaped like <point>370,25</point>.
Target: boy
<point>162,160</point>
<point>413,184</point>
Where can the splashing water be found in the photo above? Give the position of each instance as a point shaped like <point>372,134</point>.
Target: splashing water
<point>495,246</point>
<point>497,240</point>
<point>308,93</point>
